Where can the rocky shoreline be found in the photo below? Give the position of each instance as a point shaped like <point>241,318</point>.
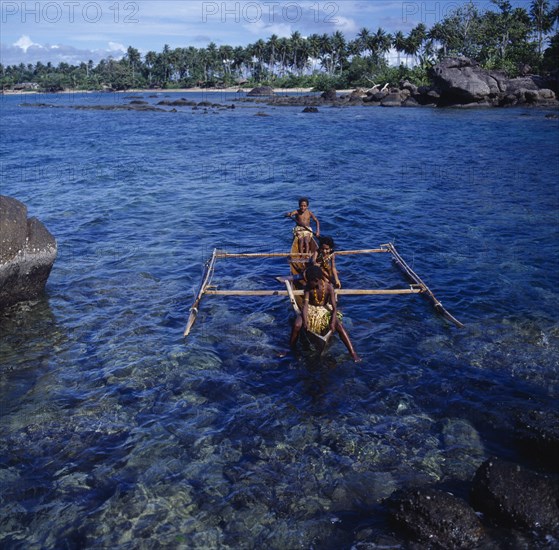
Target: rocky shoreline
<point>457,82</point>
<point>27,253</point>
<point>505,504</point>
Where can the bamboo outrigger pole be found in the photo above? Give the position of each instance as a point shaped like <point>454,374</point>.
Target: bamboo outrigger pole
<point>413,276</point>
<point>299,256</point>
<point>208,272</point>
<point>414,289</point>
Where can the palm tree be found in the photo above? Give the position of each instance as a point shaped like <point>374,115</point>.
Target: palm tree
<point>313,42</point>
<point>295,43</point>
<point>271,50</point>
<point>303,58</point>
<point>164,62</point>
<point>542,18</point>
<point>284,47</point>
<point>363,40</point>
<point>326,53</point>
<point>257,52</point>
<point>150,59</point>
<point>241,59</point>
<point>339,52</point>
<point>354,48</point>
<point>415,40</point>
<point>133,57</point>
<point>225,54</point>
<point>399,43</point>
<point>383,43</point>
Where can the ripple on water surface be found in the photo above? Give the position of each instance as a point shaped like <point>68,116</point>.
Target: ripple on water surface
<point>115,430</point>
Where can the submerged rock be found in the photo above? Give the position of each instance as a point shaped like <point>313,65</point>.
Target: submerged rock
<point>516,497</point>
<point>27,253</point>
<point>537,435</point>
<point>437,518</point>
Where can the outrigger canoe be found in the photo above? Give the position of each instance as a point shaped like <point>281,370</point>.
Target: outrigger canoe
<point>416,284</point>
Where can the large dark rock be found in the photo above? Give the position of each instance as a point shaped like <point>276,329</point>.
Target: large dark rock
<point>537,435</point>
<point>261,91</point>
<point>436,518</point>
<point>461,80</point>
<point>516,497</point>
<point>393,99</point>
<point>329,95</point>
<point>27,253</point>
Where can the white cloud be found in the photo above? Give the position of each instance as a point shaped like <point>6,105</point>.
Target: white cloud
<point>116,47</point>
<point>346,25</point>
<point>24,43</point>
<point>264,31</point>
<point>25,50</point>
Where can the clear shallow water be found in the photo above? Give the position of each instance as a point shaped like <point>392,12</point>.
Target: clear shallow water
<point>118,432</point>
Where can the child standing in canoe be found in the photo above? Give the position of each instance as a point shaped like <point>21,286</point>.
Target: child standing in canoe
<point>302,230</point>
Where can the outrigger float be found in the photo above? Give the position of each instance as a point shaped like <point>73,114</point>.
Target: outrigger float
<point>296,260</point>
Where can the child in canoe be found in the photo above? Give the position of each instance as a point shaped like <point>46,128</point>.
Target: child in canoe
<point>324,258</point>
<point>302,230</point>
<point>319,313</point>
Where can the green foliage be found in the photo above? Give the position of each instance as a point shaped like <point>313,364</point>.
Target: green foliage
<point>550,61</point>
<point>323,82</point>
<point>502,37</point>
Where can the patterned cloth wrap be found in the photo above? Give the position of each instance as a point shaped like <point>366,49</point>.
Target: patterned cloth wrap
<point>318,318</point>
<point>301,232</point>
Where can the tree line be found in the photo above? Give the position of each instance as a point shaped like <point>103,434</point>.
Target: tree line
<point>515,40</point>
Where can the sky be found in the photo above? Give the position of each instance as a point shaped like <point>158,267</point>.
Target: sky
<point>73,31</point>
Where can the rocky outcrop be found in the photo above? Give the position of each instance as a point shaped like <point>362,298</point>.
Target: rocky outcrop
<point>457,82</point>
<point>436,518</point>
<point>461,81</point>
<point>516,497</point>
<point>329,95</point>
<point>537,435</point>
<point>261,91</point>
<point>503,497</point>
<point>27,253</point>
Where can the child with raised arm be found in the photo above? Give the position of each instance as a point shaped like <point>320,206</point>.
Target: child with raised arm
<point>302,230</point>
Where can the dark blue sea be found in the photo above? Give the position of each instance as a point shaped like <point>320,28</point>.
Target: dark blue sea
<point>117,432</point>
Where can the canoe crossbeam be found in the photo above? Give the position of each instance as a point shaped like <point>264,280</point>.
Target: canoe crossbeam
<point>413,289</point>
<point>417,286</point>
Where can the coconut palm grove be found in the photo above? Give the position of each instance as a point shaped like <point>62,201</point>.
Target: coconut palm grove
<point>515,40</point>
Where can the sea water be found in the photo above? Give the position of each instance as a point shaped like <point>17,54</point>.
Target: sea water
<point>118,432</point>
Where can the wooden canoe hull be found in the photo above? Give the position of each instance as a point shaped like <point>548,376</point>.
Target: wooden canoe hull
<point>318,341</point>
<point>297,262</point>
